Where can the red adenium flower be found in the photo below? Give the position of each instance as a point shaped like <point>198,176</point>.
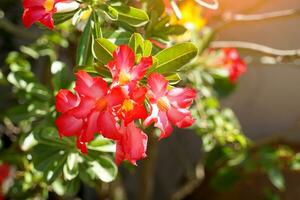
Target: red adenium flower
<point>123,68</point>
<point>89,111</point>
<point>133,107</point>
<point>168,107</point>
<point>43,10</point>
<point>234,62</point>
<point>132,145</point>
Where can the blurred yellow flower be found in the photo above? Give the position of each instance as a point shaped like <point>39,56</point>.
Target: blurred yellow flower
<point>190,15</point>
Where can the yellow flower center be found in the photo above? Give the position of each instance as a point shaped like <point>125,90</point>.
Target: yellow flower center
<point>49,5</point>
<point>101,104</point>
<point>124,78</point>
<point>127,105</point>
<point>163,104</point>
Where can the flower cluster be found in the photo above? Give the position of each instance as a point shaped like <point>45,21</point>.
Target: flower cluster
<point>114,110</point>
<point>42,11</point>
<point>234,63</point>
<point>228,59</point>
<point>4,173</point>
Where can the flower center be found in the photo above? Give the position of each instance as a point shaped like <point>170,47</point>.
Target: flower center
<point>127,105</point>
<point>124,77</point>
<point>49,5</point>
<point>163,104</point>
<point>101,104</point>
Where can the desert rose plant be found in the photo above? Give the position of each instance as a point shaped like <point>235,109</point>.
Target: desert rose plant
<point>116,76</point>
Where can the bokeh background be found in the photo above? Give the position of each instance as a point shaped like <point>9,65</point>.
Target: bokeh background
<point>266,101</point>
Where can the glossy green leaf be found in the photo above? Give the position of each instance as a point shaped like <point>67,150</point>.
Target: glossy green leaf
<point>147,48</point>
<point>103,50</point>
<point>173,78</point>
<point>84,50</point>
<point>102,144</point>
<point>71,167</point>
<point>136,43</point>
<point>132,16</point>
<point>175,57</point>
<point>104,169</point>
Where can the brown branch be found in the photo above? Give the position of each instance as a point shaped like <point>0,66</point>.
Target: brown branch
<point>148,169</point>
<point>256,47</point>
<point>228,16</point>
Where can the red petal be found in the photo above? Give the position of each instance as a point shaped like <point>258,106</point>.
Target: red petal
<point>237,69</point>
<point>138,94</point>
<point>82,146</point>
<point>158,85</point>
<point>84,108</point>
<point>113,69</point>
<point>153,116</point>
<point>124,58</point>
<point>139,112</point>
<point>66,100</point>
<point>91,87</point>
<point>48,21</point>
<point>68,125</point>
<point>116,96</point>
<point>33,3</point>
<point>4,172</point>
<point>182,118</point>
<point>132,146</point>
<point>164,125</point>
<point>161,121</point>
<point>139,71</point>
<point>32,15</point>
<point>181,97</point>
<point>91,127</point>
<point>108,125</point>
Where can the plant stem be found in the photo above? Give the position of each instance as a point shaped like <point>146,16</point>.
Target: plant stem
<point>148,170</point>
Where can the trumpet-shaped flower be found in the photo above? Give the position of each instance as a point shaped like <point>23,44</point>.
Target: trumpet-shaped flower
<point>233,61</point>
<point>123,68</point>
<point>168,107</point>
<point>42,11</point>
<point>89,111</point>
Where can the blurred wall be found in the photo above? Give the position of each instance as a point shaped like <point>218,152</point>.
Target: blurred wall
<point>267,101</point>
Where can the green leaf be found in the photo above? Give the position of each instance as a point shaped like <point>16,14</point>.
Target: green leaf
<point>295,163</point>
<point>117,36</point>
<point>103,50</point>
<point>136,43</point>
<point>110,12</point>
<point>49,160</point>
<point>96,25</point>
<point>102,144</point>
<point>173,58</point>
<point>175,30</point>
<point>147,48</point>
<point>132,16</point>
<point>62,17</point>
<point>84,50</point>
<point>276,178</point>
<point>20,79</point>
<point>71,167</point>
<point>173,78</point>
<point>104,169</point>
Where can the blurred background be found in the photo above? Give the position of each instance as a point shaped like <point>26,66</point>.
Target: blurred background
<point>266,102</point>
